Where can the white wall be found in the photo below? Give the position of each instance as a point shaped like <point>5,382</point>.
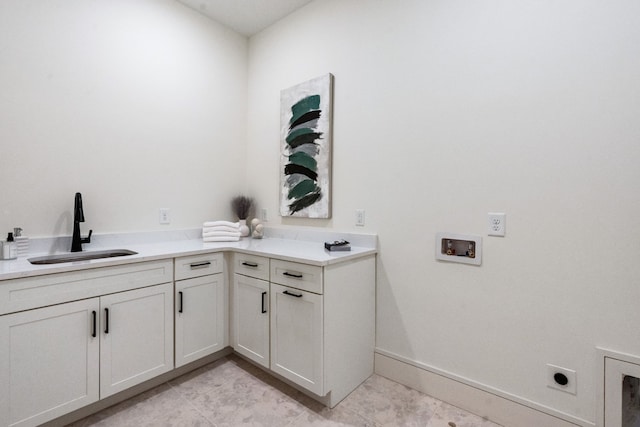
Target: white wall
<point>446,110</point>
<point>138,105</point>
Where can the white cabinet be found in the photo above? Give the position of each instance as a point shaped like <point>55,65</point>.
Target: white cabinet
<point>137,337</point>
<point>297,329</point>
<point>349,325</point>
<point>312,325</point>
<point>60,357</point>
<point>70,339</point>
<point>200,299</point>
<point>251,308</point>
<point>297,337</point>
<point>48,362</point>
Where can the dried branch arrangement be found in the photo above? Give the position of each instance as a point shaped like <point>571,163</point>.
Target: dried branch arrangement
<point>242,206</point>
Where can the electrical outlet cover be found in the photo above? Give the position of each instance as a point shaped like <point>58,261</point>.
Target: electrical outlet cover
<point>497,224</point>
<point>164,216</point>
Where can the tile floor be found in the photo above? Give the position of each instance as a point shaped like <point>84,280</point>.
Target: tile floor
<point>232,392</point>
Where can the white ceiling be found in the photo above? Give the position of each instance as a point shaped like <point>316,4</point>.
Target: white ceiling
<point>246,17</point>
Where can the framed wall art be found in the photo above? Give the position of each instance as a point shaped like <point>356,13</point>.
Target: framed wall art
<point>305,166</point>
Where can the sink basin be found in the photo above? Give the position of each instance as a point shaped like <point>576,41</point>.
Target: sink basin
<point>80,256</point>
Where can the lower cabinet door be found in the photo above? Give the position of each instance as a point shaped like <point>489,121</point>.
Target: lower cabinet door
<point>49,361</point>
<point>199,314</point>
<point>137,337</point>
<point>251,318</point>
<point>297,337</point>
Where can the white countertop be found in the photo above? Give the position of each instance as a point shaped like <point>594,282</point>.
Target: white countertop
<point>291,244</point>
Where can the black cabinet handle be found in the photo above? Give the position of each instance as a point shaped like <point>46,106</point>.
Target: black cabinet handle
<point>180,306</point>
<point>250,264</point>
<point>197,265</point>
<point>297,276</point>
<point>106,320</point>
<point>95,324</point>
<point>292,294</point>
<point>264,310</point>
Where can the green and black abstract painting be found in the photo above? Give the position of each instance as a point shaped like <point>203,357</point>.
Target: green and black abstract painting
<point>306,149</point>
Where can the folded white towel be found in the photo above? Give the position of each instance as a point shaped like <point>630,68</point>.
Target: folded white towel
<point>220,228</point>
<point>221,223</point>
<point>220,239</point>
<point>221,234</point>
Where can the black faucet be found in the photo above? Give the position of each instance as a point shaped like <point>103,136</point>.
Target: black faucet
<point>78,217</point>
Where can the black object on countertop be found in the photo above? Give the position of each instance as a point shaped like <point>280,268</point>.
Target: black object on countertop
<point>78,217</point>
<point>338,245</point>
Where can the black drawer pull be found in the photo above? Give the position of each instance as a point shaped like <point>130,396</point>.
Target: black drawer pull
<point>264,310</point>
<point>250,264</point>
<point>292,294</point>
<point>180,306</point>
<point>95,323</point>
<point>296,276</point>
<point>106,320</point>
<point>200,265</point>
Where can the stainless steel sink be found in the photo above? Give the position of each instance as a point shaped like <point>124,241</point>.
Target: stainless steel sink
<point>80,256</point>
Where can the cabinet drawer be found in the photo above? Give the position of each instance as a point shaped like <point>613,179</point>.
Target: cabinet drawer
<point>40,291</point>
<point>198,265</point>
<point>251,265</point>
<point>300,276</point>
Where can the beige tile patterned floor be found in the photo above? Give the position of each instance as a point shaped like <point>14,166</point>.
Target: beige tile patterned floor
<point>232,392</point>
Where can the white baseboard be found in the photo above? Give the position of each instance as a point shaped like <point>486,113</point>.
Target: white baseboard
<point>479,399</point>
